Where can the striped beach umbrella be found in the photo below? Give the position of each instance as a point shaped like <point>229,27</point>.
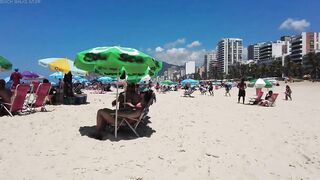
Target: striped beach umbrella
<point>260,83</point>
<point>61,64</point>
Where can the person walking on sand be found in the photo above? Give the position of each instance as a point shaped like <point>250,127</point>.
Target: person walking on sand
<point>15,77</point>
<point>211,89</point>
<point>227,87</point>
<point>288,92</point>
<point>242,90</point>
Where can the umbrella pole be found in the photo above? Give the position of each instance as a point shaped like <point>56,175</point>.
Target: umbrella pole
<point>116,120</point>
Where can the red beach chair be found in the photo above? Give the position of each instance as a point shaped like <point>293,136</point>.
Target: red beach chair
<point>35,85</point>
<point>257,99</point>
<point>40,96</point>
<point>17,100</point>
<point>273,97</point>
<point>270,102</point>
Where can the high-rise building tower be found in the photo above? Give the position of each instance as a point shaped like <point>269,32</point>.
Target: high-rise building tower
<point>229,53</point>
<point>253,51</point>
<point>304,43</point>
<point>190,67</point>
<point>209,58</point>
<point>269,51</point>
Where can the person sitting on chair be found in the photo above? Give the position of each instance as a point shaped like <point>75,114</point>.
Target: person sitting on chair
<point>132,109</point>
<point>267,100</point>
<point>5,95</point>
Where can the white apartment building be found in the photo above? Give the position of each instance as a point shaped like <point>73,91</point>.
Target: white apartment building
<point>229,53</point>
<point>190,67</point>
<point>209,58</point>
<point>304,43</point>
<point>254,51</point>
<point>269,51</point>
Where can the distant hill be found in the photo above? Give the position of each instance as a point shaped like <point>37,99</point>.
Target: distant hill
<point>166,66</point>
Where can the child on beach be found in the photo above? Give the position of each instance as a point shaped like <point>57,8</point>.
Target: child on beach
<point>211,89</point>
<point>288,92</point>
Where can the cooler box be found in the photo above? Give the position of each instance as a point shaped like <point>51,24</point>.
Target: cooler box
<point>80,99</point>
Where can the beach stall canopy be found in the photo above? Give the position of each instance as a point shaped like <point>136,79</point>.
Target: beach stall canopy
<point>5,65</point>
<point>61,64</point>
<point>118,61</point>
<point>260,83</point>
<point>190,81</point>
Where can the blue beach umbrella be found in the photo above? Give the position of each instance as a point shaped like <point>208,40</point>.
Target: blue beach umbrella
<point>105,79</point>
<point>190,81</point>
<point>56,75</point>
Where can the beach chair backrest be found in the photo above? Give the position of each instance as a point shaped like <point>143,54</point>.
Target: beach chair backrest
<point>41,94</point>
<point>145,110</point>
<point>35,85</point>
<point>259,95</point>
<point>274,96</point>
<point>19,97</point>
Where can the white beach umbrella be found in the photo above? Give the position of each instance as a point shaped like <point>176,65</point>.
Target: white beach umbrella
<point>259,83</point>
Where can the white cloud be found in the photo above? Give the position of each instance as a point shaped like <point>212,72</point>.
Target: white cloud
<point>297,25</point>
<point>178,52</point>
<point>179,56</point>
<point>159,49</point>
<point>173,44</point>
<point>194,44</point>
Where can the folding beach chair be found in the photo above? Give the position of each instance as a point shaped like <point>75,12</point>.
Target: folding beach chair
<point>270,102</point>
<point>17,100</point>
<point>256,100</point>
<point>35,85</point>
<point>40,96</point>
<point>273,101</point>
<point>133,123</point>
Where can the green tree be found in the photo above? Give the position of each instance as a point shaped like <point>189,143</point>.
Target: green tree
<point>197,76</point>
<point>312,64</point>
<point>278,69</point>
<point>253,70</point>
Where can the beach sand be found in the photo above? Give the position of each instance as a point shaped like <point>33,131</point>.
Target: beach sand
<point>203,137</point>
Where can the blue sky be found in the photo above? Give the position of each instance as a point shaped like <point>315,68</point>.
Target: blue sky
<point>174,31</point>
